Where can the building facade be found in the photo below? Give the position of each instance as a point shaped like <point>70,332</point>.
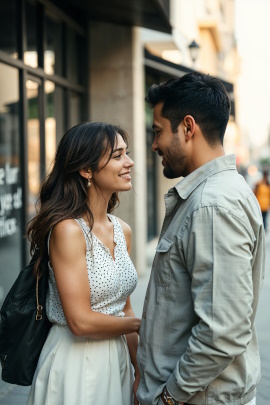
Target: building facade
<point>210,23</point>
<point>62,63</point>
<point>65,62</point>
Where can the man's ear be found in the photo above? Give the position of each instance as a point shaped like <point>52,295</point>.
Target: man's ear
<point>189,126</point>
<point>86,173</point>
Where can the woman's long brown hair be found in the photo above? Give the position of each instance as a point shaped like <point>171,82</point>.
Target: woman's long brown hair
<point>63,194</point>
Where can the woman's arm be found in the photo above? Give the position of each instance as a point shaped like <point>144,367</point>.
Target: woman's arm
<point>67,257</point>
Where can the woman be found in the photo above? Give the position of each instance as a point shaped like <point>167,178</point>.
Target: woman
<point>86,357</point>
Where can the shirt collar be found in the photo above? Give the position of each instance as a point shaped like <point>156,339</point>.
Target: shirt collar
<point>188,184</point>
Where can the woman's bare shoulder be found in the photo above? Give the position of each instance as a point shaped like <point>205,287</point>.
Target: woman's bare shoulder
<point>68,228</point>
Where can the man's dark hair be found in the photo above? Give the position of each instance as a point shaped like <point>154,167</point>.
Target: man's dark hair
<point>202,96</point>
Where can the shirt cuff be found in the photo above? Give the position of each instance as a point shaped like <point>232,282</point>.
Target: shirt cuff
<point>176,392</point>
<point>157,394</point>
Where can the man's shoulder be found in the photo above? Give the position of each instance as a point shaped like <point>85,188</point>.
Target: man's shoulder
<point>227,189</point>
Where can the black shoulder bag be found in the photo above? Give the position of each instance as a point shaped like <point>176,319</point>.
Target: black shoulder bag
<point>24,326</point>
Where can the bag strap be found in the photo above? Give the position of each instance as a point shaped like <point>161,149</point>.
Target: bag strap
<point>39,307</point>
<point>48,243</point>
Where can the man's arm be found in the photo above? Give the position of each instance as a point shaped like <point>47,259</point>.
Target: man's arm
<point>218,249</point>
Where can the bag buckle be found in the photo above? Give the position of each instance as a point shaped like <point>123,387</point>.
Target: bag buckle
<point>39,313</point>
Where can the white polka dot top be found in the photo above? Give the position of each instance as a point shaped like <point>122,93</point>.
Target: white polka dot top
<point>111,281</point>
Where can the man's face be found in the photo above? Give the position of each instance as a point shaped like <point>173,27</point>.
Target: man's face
<point>170,146</point>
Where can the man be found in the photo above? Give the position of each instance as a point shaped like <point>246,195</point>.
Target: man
<point>197,337</point>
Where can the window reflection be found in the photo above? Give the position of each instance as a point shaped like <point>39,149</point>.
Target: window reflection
<point>53,58</point>
<point>54,122</point>
<point>10,182</point>
<point>8,28</point>
<point>33,142</point>
<point>75,109</point>
<point>31,54</point>
<point>50,127</point>
<point>75,56</point>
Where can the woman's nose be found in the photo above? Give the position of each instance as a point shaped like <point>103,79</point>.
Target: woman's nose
<point>129,162</point>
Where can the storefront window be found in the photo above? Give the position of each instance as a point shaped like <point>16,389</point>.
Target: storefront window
<point>33,143</point>
<point>10,181</point>
<point>31,54</point>
<point>75,56</point>
<point>8,28</point>
<point>33,110</point>
<point>75,109</point>
<point>54,121</point>
<point>53,57</point>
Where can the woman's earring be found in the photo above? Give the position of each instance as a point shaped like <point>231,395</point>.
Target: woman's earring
<point>89,182</point>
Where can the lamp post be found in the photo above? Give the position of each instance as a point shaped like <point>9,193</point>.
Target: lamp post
<point>194,50</point>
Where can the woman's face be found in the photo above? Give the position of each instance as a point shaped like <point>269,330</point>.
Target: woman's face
<point>116,174</point>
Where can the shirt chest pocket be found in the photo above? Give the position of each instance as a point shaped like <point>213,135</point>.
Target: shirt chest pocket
<point>162,268</point>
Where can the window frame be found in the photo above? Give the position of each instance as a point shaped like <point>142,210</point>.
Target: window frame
<point>38,74</point>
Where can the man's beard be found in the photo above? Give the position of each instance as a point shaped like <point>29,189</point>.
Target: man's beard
<point>169,172</point>
<point>176,166</point>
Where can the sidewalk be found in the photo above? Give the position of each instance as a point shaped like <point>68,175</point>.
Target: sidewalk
<point>14,395</point>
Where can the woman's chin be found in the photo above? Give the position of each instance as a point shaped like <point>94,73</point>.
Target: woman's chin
<point>127,187</point>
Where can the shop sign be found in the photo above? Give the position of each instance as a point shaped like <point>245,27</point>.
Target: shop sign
<point>10,200</point>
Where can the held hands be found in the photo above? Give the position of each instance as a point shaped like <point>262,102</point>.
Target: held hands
<point>136,324</point>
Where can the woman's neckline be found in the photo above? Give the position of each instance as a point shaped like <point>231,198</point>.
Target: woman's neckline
<point>113,257</point>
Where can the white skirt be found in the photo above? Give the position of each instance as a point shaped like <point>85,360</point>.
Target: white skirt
<point>74,370</point>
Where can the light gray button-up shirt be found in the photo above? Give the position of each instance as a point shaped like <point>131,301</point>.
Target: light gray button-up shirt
<point>197,333</point>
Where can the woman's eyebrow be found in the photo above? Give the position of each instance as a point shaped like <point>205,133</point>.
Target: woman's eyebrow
<point>118,150</point>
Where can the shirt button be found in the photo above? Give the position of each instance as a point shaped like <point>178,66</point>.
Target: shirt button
<point>144,315</point>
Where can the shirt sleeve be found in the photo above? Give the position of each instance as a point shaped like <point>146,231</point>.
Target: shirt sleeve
<point>217,247</point>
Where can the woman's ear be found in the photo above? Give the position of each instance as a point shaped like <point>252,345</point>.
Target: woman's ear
<point>86,173</point>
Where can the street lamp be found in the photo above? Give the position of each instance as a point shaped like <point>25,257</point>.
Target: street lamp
<point>194,50</point>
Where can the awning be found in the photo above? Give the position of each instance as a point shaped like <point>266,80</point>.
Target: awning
<point>173,70</point>
<point>153,14</point>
